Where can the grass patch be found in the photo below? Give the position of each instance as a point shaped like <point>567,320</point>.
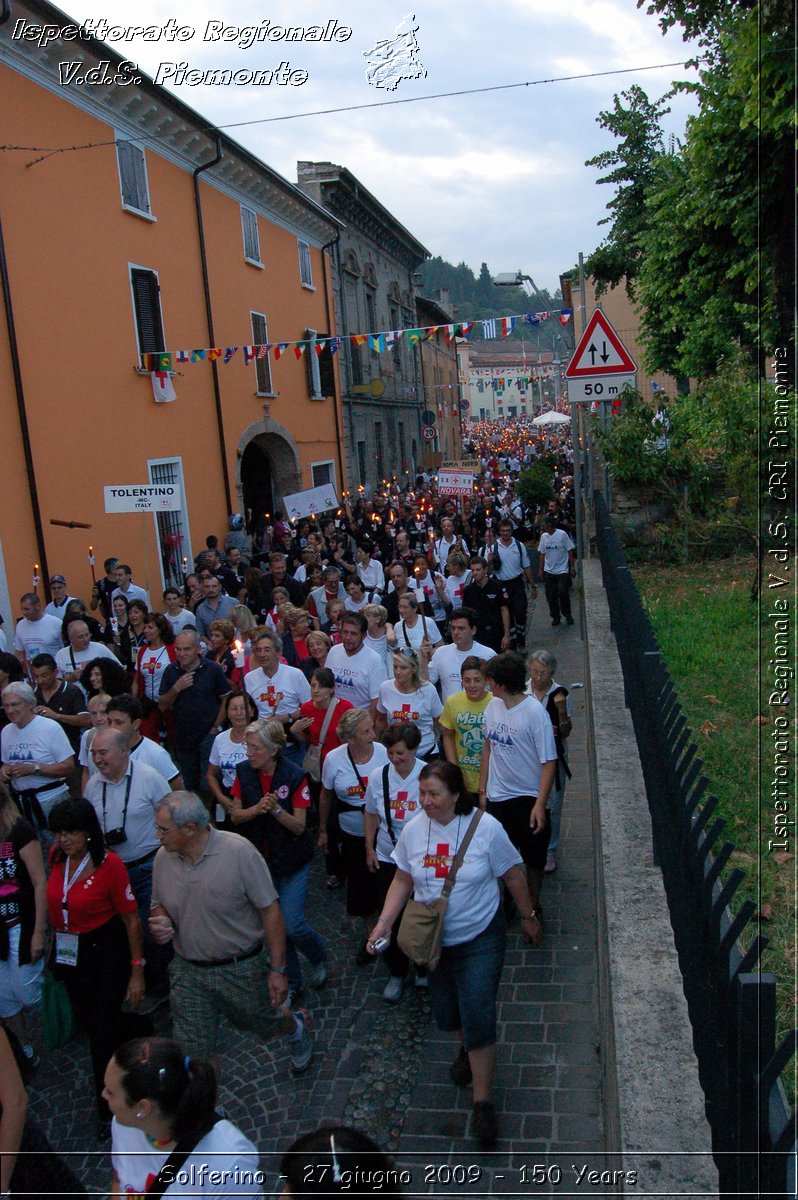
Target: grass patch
<point>708,631</point>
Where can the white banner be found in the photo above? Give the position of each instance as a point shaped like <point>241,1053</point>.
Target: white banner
<point>143,497</point>
<point>311,503</point>
<point>455,483</point>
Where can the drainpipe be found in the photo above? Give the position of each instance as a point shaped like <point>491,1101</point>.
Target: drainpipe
<point>217,395</point>
<point>20,393</point>
<point>330,325</point>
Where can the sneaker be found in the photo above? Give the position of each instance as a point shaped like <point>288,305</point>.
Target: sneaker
<point>484,1126</point>
<point>318,977</point>
<point>422,979</point>
<point>569,620</point>
<point>460,1070</point>
<point>32,1060</point>
<point>555,623</point>
<point>551,863</point>
<point>302,1042</point>
<point>393,989</point>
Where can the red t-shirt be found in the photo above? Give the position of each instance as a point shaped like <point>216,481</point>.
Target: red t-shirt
<point>94,899</point>
<point>317,715</point>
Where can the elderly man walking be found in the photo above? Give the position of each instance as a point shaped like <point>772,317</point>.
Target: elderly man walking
<point>214,899</point>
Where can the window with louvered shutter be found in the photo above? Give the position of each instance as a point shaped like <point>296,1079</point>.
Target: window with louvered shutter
<point>260,336</point>
<point>147,310</point>
<point>320,369</point>
<point>305,268</point>
<point>133,176</point>
<point>249,228</point>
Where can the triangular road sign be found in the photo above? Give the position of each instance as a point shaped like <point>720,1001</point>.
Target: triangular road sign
<point>600,351</point>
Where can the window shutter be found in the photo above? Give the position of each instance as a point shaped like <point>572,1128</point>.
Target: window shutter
<point>327,372</point>
<point>249,226</point>
<point>305,268</point>
<point>260,336</point>
<point>133,173</point>
<point>147,308</point>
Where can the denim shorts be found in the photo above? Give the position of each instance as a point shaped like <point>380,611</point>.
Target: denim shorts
<point>464,985</point>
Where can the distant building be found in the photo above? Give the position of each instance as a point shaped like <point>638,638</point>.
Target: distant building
<point>503,380</point>
<point>375,261</point>
<point>104,250</point>
<point>440,378</point>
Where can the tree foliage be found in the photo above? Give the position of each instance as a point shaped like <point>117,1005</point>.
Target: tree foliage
<point>477,298</point>
<point>704,233</point>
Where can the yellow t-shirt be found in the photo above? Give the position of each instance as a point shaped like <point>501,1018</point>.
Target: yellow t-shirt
<point>464,718</point>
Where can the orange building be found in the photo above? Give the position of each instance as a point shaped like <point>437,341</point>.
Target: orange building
<point>149,232</point>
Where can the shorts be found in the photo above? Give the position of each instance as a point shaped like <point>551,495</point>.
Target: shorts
<point>464,985</point>
<point>361,883</point>
<point>239,991</point>
<point>20,985</point>
<point>513,816</point>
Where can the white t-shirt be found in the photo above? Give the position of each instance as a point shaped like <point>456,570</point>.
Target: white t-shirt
<point>58,610</point>
<point>420,707</point>
<point>431,593</point>
<point>555,548</point>
<point>455,588</point>
<point>68,660</point>
<point>183,620</point>
<point>223,1164</point>
<point>445,664</point>
<point>381,649</point>
<point>372,577</point>
<point>403,804</point>
<point>443,549</point>
<point>38,637</point>
<point>338,777</point>
<point>408,638</point>
<point>357,676</point>
<point>521,739</point>
<point>41,741</point>
<point>151,664</point>
<point>426,851</point>
<point>226,755</point>
<point>134,592</point>
<point>277,694</point>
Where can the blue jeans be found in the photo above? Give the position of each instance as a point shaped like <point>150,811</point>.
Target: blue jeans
<point>158,957</point>
<point>299,935</point>
<point>464,985</point>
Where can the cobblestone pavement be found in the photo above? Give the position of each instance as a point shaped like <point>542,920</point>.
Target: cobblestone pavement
<point>384,1067</point>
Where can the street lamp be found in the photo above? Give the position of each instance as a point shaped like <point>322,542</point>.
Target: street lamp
<point>517,279</point>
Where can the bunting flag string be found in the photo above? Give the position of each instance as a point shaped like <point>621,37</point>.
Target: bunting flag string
<point>387,340</point>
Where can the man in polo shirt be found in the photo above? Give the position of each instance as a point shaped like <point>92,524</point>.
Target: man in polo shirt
<point>219,967</point>
<point>215,606</point>
<point>126,795</point>
<point>36,633</point>
<point>196,690</point>
<point>72,658</point>
<point>358,671</point>
<point>61,702</point>
<point>124,714</point>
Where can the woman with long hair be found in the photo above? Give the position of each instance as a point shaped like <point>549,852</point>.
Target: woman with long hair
<point>154,656</point>
<point>164,1111</point>
<point>104,675</point>
<point>132,636</point>
<point>407,697</point>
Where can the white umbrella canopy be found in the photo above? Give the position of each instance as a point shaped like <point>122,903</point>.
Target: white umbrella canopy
<point>552,418</point>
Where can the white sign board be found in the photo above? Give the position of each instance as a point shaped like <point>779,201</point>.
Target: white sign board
<point>598,387</point>
<point>455,483</point>
<point>311,503</point>
<point>143,497</point>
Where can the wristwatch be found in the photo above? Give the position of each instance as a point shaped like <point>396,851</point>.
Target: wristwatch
<point>278,970</point>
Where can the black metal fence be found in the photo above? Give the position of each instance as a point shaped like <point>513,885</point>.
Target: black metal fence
<point>732,1003</point>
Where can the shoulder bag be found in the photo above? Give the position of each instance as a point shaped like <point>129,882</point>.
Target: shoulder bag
<point>420,934</point>
<point>311,763</point>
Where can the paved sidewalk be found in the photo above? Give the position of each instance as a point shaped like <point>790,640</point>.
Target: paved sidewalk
<point>385,1068</point>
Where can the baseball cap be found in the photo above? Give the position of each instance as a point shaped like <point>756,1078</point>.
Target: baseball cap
<point>57,579</point>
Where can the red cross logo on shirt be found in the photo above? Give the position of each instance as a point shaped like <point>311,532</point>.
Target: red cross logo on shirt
<point>400,806</point>
<point>151,665</point>
<point>271,697</point>
<point>440,860</point>
<point>458,591</point>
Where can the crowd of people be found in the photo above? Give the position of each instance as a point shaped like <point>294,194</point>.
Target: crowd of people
<point>357,684</point>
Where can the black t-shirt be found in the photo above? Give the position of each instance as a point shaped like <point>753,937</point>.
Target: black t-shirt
<point>70,701</point>
<point>487,604</point>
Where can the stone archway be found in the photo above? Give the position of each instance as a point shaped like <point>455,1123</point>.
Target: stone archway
<point>268,468</point>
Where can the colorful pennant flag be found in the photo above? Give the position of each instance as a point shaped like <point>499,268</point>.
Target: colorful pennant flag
<point>565,316</point>
<point>197,355</point>
<point>229,352</point>
<point>280,349</point>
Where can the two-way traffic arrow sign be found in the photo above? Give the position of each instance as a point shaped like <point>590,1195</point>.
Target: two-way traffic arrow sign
<point>600,352</point>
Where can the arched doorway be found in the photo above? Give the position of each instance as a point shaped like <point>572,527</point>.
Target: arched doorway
<point>268,469</point>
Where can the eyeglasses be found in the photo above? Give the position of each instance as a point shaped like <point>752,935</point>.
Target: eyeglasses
<point>166,828</point>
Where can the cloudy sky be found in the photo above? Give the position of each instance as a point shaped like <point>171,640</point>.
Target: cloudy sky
<point>493,176</point>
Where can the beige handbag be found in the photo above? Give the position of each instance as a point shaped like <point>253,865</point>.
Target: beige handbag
<point>311,763</point>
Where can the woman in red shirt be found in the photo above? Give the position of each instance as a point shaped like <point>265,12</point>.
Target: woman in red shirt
<point>97,949</point>
<point>312,714</point>
<point>152,660</point>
